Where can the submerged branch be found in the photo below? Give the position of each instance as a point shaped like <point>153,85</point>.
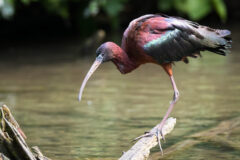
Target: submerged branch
<point>141,150</point>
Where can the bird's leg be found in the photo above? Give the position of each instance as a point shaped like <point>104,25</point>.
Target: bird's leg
<point>168,69</point>
<point>170,108</point>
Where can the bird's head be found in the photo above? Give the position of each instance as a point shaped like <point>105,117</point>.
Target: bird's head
<point>104,53</point>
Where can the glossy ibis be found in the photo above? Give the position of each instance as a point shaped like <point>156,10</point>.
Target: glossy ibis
<point>163,40</point>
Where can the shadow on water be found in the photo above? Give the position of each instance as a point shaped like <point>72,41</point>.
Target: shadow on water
<point>115,108</point>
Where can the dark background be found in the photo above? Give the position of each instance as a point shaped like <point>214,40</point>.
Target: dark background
<point>76,23</point>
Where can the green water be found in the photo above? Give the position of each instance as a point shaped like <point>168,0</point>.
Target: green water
<point>115,108</point>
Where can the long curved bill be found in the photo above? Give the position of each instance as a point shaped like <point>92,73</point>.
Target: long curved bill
<point>94,66</point>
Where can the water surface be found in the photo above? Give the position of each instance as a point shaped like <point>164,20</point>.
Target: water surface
<point>115,108</point>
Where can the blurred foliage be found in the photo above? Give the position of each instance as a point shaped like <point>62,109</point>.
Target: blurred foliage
<point>59,7</point>
<point>112,8</point>
<point>195,9</point>
<point>88,11</point>
<point>7,8</point>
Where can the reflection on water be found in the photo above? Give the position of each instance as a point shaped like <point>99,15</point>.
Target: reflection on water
<point>115,108</point>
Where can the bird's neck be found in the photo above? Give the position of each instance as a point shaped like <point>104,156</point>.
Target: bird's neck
<point>122,61</point>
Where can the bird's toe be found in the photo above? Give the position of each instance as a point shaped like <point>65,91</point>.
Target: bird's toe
<point>146,134</point>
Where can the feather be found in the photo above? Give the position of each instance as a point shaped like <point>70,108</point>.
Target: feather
<point>179,38</point>
<point>167,39</point>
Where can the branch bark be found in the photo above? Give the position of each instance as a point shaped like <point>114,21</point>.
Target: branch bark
<point>141,149</point>
<point>12,139</point>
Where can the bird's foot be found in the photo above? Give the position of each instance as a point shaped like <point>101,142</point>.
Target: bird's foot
<point>158,134</point>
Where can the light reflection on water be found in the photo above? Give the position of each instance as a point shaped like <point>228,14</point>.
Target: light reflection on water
<point>115,108</point>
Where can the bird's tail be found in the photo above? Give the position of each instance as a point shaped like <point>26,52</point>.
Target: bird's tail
<point>217,41</point>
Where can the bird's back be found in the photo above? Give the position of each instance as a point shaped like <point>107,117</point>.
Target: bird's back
<point>167,39</point>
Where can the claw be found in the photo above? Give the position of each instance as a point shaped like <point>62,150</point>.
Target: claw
<point>158,134</point>
<point>164,140</point>
<point>159,142</point>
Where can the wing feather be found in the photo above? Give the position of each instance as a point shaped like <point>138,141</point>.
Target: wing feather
<point>173,45</point>
<point>168,39</point>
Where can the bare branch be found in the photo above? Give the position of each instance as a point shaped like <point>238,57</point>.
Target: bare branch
<point>141,149</point>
